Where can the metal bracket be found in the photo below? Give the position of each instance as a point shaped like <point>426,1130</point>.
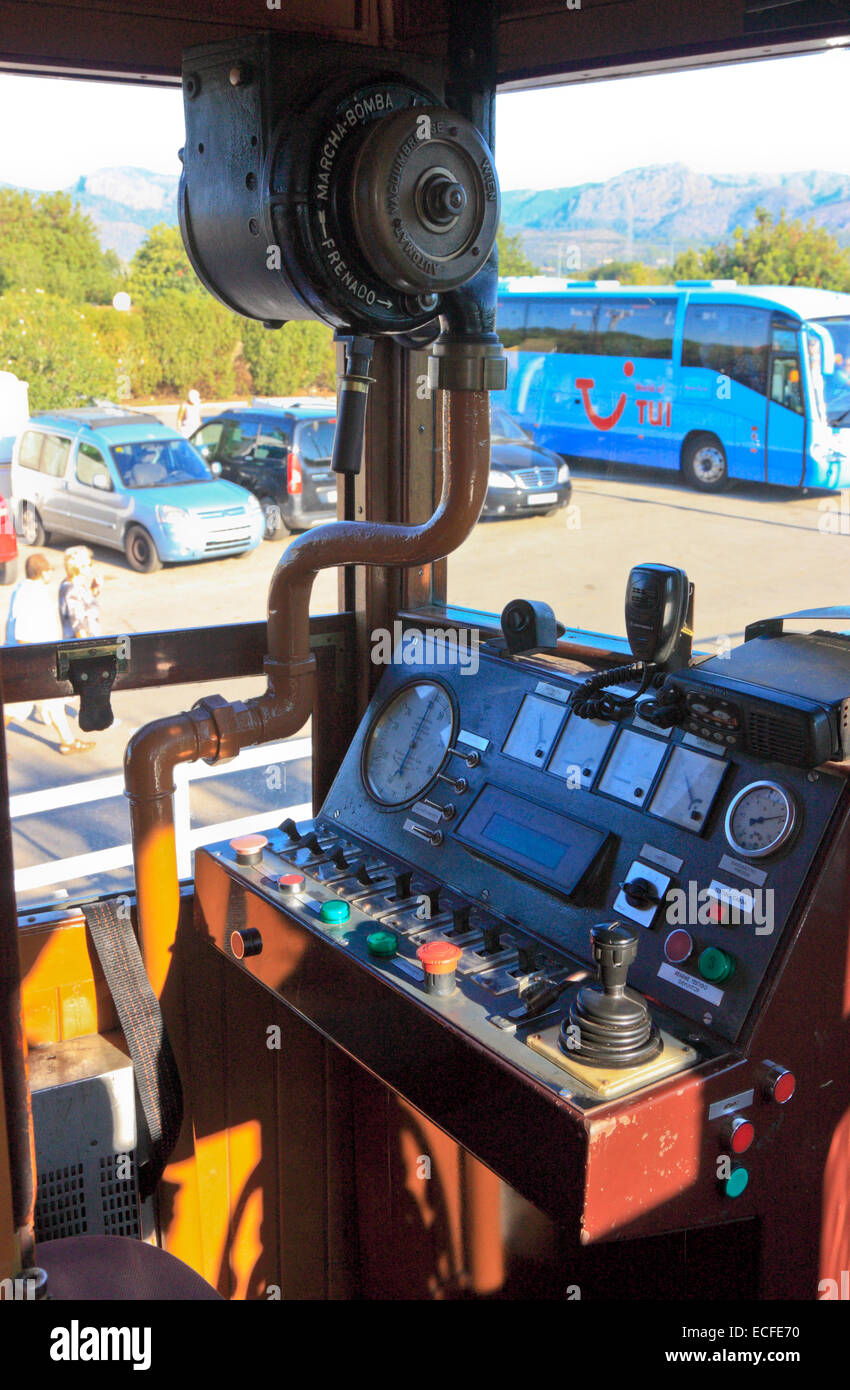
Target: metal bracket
<point>336,640</point>
<point>91,667</point>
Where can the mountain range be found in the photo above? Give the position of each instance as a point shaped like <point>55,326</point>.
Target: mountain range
<point>648,214</point>
<point>652,213</point>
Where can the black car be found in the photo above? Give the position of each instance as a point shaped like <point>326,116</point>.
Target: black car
<point>523,476</point>
<point>282,455</point>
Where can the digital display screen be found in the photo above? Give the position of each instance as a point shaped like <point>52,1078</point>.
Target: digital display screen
<point>530,839</point>
<point>530,843</point>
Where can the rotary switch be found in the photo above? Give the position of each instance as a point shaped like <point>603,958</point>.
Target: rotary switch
<point>641,893</point>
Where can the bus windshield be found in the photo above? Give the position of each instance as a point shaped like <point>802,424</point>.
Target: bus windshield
<point>837,386</point>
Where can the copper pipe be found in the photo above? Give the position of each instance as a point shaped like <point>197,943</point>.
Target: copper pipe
<point>215,729</point>
<point>465,481</point>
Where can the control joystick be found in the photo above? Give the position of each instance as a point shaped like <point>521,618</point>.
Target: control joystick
<point>609,1027</point>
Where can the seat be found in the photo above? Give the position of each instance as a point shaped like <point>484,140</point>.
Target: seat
<point>106,1267</point>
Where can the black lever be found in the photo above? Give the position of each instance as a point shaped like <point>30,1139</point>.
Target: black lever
<point>353,399</point>
<point>610,1027</point>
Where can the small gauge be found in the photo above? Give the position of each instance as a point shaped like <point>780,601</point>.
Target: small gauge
<point>632,766</point>
<point>406,745</point>
<point>534,730</point>
<point>580,749</point>
<point>760,818</point>
<point>687,788</point>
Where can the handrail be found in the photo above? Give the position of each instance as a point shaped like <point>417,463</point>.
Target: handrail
<point>56,871</point>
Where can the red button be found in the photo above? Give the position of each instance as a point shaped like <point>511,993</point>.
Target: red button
<point>678,946</point>
<point>785,1086</point>
<point>741,1134</point>
<point>249,848</point>
<point>439,957</point>
<point>290,883</point>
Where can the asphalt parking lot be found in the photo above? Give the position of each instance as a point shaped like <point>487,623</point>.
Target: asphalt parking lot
<point>752,552</point>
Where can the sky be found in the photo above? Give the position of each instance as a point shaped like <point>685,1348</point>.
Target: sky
<point>715,120</point>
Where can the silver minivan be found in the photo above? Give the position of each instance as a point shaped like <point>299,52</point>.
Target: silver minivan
<point>121,479</point>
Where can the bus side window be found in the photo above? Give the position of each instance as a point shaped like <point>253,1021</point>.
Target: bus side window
<point>785,383</point>
<point>568,325</point>
<point>637,328</point>
<point>728,339</point>
<point>510,322</point>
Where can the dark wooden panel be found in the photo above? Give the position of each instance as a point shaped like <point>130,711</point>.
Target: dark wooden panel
<point>542,40</point>
<point>335,713</point>
<point>14,1093</point>
<point>178,657</point>
<point>148,36</point>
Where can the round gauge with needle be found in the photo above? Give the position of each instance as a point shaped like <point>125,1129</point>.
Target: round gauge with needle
<point>407,743</point>
<point>760,818</point>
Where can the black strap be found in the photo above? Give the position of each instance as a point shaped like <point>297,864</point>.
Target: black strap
<point>157,1078</point>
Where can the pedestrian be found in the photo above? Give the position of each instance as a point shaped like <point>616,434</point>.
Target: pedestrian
<point>79,595</point>
<point>189,414</point>
<point>33,617</point>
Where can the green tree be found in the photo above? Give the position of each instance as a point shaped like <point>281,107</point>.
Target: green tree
<point>291,360</point>
<point>54,346</point>
<point>161,265</point>
<point>775,251</point>
<point>512,258</point>
<point>123,338</point>
<point>48,244</point>
<point>630,273</point>
<point>195,342</point>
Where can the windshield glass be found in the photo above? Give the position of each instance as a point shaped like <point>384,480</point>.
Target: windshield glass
<point>316,440</point>
<point>503,427</point>
<point>159,463</point>
<point>837,386</point>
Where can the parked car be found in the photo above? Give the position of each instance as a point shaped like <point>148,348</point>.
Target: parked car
<point>123,480</point>
<point>524,477</point>
<point>282,455</point>
<point>8,545</point>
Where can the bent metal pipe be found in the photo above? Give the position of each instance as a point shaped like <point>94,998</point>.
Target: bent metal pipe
<point>215,729</point>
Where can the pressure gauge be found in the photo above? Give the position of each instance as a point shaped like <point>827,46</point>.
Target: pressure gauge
<point>760,818</point>
<point>407,743</point>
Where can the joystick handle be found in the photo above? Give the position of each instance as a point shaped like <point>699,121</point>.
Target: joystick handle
<point>614,948</point>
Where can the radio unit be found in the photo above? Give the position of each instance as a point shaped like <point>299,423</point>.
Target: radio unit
<point>784,697</point>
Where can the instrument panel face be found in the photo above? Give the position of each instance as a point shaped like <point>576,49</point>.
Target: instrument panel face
<point>552,819</point>
<point>631,767</point>
<point>687,788</point>
<point>760,819</point>
<point>533,731</point>
<point>407,742</point>
<point>581,748</point>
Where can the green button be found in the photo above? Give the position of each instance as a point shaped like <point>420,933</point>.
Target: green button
<point>736,1182</point>
<point>334,913</point>
<point>715,964</point>
<point>382,943</point>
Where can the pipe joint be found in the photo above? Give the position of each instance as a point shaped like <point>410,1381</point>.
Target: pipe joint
<point>232,724</point>
<point>477,364</point>
<point>281,674</point>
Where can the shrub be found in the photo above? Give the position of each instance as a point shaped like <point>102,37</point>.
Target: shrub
<point>292,360</point>
<point>54,346</point>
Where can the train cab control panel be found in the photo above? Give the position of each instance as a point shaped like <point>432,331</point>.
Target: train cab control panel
<point>595,908</point>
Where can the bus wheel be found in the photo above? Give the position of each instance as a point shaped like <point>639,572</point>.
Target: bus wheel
<point>704,463</point>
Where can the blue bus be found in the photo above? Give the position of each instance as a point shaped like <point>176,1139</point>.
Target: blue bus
<point>715,379</point>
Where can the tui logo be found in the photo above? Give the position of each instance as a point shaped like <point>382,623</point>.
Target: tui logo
<point>586,384</point>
